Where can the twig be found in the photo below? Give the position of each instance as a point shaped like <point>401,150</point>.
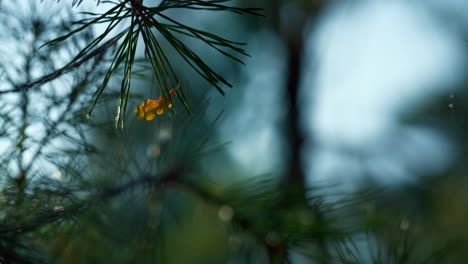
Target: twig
<point>170,179</point>
<point>108,193</point>
<point>54,75</point>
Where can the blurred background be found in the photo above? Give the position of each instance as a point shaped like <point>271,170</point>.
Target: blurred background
<point>343,140</point>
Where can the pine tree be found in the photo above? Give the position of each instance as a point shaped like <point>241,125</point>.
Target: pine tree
<point>84,181</point>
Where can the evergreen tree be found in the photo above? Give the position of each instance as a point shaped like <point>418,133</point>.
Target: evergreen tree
<point>108,151</point>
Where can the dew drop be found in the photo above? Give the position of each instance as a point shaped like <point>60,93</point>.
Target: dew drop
<point>404,225</point>
<point>226,213</point>
<point>165,134</point>
<point>58,208</point>
<point>57,174</point>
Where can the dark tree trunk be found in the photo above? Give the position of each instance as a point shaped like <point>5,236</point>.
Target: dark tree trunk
<point>293,183</point>
<point>295,176</point>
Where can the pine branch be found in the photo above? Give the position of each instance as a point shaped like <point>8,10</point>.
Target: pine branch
<point>143,21</point>
<point>171,179</point>
<point>56,74</point>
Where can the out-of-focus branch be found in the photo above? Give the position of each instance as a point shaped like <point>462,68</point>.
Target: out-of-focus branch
<point>64,212</point>
<point>54,75</point>
<point>75,91</point>
<point>171,179</point>
<point>10,257</point>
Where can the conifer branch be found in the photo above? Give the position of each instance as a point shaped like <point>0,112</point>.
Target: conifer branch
<point>66,69</point>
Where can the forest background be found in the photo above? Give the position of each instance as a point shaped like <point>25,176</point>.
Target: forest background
<point>336,134</point>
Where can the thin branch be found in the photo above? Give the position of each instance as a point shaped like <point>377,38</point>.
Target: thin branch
<point>49,134</point>
<point>65,212</point>
<point>54,75</point>
<point>170,179</point>
<point>12,257</point>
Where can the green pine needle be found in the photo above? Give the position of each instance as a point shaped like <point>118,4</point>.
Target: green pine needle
<point>145,22</point>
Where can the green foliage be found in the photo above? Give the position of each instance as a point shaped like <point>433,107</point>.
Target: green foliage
<point>75,190</point>
<point>149,22</point>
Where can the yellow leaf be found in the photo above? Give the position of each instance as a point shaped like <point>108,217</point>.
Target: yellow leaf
<point>149,108</point>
